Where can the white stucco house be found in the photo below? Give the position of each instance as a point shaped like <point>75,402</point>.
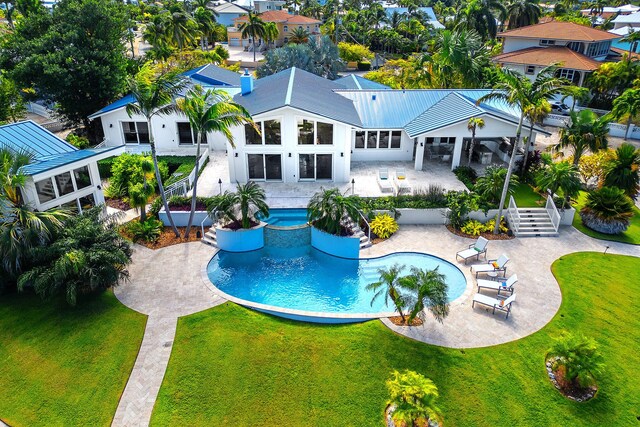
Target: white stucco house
<point>313,128</point>
<point>59,174</point>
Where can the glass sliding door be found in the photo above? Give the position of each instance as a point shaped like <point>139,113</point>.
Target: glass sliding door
<point>324,166</point>
<point>307,166</point>
<point>315,166</point>
<point>273,167</point>
<point>255,166</point>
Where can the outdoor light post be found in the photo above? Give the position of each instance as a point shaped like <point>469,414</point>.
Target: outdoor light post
<point>220,184</point>
<point>353,184</point>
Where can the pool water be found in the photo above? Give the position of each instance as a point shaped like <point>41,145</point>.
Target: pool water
<point>286,217</point>
<point>303,278</point>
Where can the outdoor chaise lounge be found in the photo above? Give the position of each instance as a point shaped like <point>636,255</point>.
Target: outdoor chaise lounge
<point>475,250</point>
<point>383,180</point>
<point>402,182</point>
<point>505,286</point>
<point>492,266</point>
<point>496,304</point>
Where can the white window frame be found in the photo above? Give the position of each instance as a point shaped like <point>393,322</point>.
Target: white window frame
<point>377,147</point>
<point>315,132</point>
<point>566,73</point>
<point>135,122</point>
<point>529,69</point>
<point>262,134</point>
<point>194,139</point>
<point>315,167</point>
<point>264,166</point>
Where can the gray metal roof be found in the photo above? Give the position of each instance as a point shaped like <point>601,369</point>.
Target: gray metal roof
<point>352,81</point>
<point>450,109</point>
<point>302,90</point>
<point>64,159</point>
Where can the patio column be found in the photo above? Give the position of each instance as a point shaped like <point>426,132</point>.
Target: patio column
<point>457,152</point>
<point>419,154</point>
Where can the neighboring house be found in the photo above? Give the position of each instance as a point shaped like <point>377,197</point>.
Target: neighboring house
<point>60,174</point>
<point>390,8</point>
<point>579,50</point>
<point>311,128</point>
<point>622,26</point>
<point>228,11</point>
<point>286,24</point>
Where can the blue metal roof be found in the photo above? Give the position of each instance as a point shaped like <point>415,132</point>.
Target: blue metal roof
<point>63,159</point>
<point>120,103</point>
<point>450,109</point>
<point>33,138</point>
<point>358,82</point>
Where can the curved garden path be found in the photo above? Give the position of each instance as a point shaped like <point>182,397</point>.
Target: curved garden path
<point>538,293</point>
<point>164,284</point>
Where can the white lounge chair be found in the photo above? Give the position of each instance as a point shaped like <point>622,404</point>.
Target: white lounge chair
<point>403,184</point>
<point>496,304</point>
<point>475,250</point>
<point>492,266</point>
<point>384,182</point>
<point>504,286</point>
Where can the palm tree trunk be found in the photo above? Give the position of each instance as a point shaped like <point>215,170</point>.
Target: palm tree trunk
<point>194,190</point>
<point>154,156</point>
<point>472,145</point>
<point>253,43</point>
<point>526,151</point>
<point>505,187</point>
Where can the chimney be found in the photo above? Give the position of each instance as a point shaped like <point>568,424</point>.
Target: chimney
<point>246,83</point>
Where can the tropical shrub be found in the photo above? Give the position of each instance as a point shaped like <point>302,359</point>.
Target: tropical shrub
<point>578,359</point>
<point>460,203</point>
<point>80,142</point>
<point>491,224</point>
<point>467,175</point>
<point>127,169</point>
<point>353,52</point>
<point>413,399</point>
<point>607,210</point>
<point>622,170</point>
<point>147,231</point>
<point>384,226</point>
<point>473,227</point>
<point>239,208</point>
<point>389,286</point>
<point>560,176</point>
<point>428,290</point>
<point>489,186</point>
<point>364,66</point>
<point>327,209</point>
<point>88,255</point>
<point>592,166</point>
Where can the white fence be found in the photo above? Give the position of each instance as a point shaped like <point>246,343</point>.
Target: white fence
<point>615,129</point>
<point>552,210</point>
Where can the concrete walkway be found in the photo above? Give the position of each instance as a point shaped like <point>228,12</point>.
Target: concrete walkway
<point>164,284</point>
<point>538,293</point>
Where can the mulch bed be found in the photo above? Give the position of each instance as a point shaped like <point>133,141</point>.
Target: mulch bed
<point>236,225</point>
<point>118,204</point>
<point>167,238</point>
<point>488,236</point>
<point>568,390</point>
<point>397,320</point>
<point>186,208</point>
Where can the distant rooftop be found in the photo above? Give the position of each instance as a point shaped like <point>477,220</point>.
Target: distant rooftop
<point>353,81</point>
<point>544,56</point>
<point>558,30</point>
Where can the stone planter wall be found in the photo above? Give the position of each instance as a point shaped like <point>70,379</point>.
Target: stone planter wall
<point>181,218</point>
<point>240,240</point>
<point>343,247</point>
<point>437,216</point>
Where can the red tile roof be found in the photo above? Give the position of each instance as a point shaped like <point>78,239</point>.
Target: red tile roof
<point>558,30</point>
<point>282,16</point>
<point>544,56</point>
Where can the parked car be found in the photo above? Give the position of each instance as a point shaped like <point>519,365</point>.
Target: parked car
<point>559,107</point>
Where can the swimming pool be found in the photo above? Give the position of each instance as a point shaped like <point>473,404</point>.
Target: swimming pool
<point>286,217</point>
<point>307,280</point>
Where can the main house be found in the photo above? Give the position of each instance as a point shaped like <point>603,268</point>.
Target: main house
<point>579,50</point>
<point>59,174</point>
<point>285,22</point>
<point>312,129</point>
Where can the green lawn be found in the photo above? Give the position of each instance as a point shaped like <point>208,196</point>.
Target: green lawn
<point>65,366</point>
<point>526,197</point>
<point>232,366</point>
<point>631,236</point>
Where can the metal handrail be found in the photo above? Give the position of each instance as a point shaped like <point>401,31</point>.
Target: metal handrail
<point>366,222</point>
<point>552,211</point>
<point>213,220</point>
<point>514,214</point>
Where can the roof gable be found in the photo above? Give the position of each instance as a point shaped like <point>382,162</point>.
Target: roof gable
<point>545,56</point>
<point>451,109</point>
<point>28,136</point>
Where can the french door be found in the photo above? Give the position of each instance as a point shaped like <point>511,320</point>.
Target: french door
<point>263,167</point>
<point>315,167</point>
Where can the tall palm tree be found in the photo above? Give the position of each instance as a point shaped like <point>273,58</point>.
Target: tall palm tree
<point>596,7</point>
<point>414,398</point>
<point>206,22</point>
<point>473,124</point>
<point>560,176</point>
<point>627,104</point>
<point>210,111</point>
<point>523,12</point>
<point>535,114</point>
<point>587,132</point>
<point>156,32</point>
<point>254,28</point>
<point>182,29</point>
<point>299,36</point>
<point>633,37</point>
<point>389,286</point>
<point>482,16</point>
<point>518,91</point>
<point>21,228</point>
<point>623,170</point>
<point>271,32</point>
<point>430,288</point>
<point>153,95</point>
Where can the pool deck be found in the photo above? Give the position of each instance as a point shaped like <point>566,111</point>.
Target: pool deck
<point>168,283</point>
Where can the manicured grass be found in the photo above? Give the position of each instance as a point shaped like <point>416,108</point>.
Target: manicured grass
<point>631,236</point>
<point>526,197</point>
<point>179,167</point>
<point>232,366</point>
<point>64,366</point>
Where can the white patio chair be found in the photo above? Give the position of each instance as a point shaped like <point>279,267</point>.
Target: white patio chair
<point>492,266</point>
<point>446,157</point>
<point>403,184</point>
<point>495,303</point>
<point>506,286</point>
<point>384,182</point>
<point>475,250</point>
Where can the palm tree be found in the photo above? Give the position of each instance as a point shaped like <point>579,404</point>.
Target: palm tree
<point>206,22</point>
<point>254,27</point>
<point>156,31</point>
<point>579,356</point>
<point>577,94</point>
<point>490,185</point>
<point>596,7</point>
<point>430,288</point>
<point>627,104</point>
<point>153,95</point>
<point>518,91</point>
<point>182,29</point>
<point>235,207</point>
<point>587,132</point>
<point>622,172</point>
<point>482,16</point>
<point>414,398</point>
<point>633,37</point>
<point>535,113</point>
<point>271,32</point>
<point>327,209</point>
<point>210,111</point>
<point>299,36</point>
<point>523,12</point>
<point>389,286</point>
<point>560,176</point>
<point>473,124</point>
<point>140,193</point>
<point>21,228</point>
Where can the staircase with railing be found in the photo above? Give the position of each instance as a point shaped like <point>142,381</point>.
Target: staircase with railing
<point>533,222</point>
<point>356,231</point>
<point>210,238</point>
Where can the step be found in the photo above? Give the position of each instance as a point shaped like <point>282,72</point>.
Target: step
<point>536,234</point>
<point>208,241</point>
<point>533,215</point>
<point>364,245</point>
<point>526,210</point>
<point>211,235</point>
<point>363,238</point>
<point>358,233</point>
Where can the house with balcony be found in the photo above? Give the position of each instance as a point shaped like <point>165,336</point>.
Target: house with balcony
<point>59,174</point>
<point>313,129</point>
<point>285,22</point>
<point>579,50</point>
